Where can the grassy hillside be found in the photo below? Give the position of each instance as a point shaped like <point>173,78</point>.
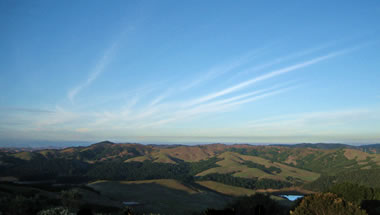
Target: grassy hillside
<point>237,164</point>
<point>226,189</point>
<point>299,164</point>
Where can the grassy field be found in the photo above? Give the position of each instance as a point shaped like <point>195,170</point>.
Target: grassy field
<point>362,158</point>
<point>154,156</point>
<point>24,155</point>
<point>161,196</point>
<point>234,162</point>
<point>169,183</point>
<point>226,189</point>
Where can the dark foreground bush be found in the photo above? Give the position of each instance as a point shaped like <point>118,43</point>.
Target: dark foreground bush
<point>258,204</point>
<point>326,204</point>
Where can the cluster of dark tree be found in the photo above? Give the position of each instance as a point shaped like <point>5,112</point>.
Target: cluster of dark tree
<point>42,168</point>
<point>245,151</point>
<point>329,163</point>
<point>76,171</point>
<point>261,204</point>
<point>245,182</point>
<point>319,203</point>
<point>269,170</point>
<point>61,170</point>
<point>327,204</point>
<point>343,199</point>
<point>66,202</point>
<point>116,170</point>
<point>258,204</point>
<point>367,197</point>
<point>368,177</point>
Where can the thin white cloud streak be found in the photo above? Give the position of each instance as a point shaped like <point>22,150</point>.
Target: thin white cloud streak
<point>285,58</point>
<point>157,112</point>
<point>215,107</point>
<point>157,100</point>
<point>245,95</point>
<point>330,115</point>
<point>24,109</point>
<point>59,117</point>
<point>154,112</point>
<point>261,96</point>
<point>337,122</point>
<point>99,69</point>
<point>219,70</point>
<point>265,77</point>
<point>220,105</point>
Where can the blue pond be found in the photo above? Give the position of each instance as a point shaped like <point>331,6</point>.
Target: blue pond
<point>292,197</point>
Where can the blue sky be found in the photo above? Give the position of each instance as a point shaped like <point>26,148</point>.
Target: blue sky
<point>190,71</point>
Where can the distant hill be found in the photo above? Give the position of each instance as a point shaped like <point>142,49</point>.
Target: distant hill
<point>319,145</point>
<point>244,165</point>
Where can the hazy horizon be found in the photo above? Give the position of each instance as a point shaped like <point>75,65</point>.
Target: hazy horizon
<point>170,71</point>
<point>185,141</point>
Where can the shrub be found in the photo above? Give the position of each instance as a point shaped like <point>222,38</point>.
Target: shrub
<point>326,204</point>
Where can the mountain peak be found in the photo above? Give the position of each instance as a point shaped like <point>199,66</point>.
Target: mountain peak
<point>106,142</point>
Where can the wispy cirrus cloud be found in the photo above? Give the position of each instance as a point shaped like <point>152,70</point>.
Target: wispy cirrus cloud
<point>310,123</point>
<point>218,106</point>
<point>266,77</point>
<point>24,109</point>
<point>158,113</point>
<point>284,59</point>
<point>150,108</point>
<point>224,68</point>
<point>99,68</point>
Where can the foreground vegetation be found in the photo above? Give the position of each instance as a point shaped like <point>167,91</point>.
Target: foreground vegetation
<point>173,197</point>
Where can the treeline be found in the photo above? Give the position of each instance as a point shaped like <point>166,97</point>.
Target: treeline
<point>355,193</point>
<point>41,168</point>
<point>344,198</point>
<point>254,183</point>
<point>76,171</point>
<point>368,177</point>
<point>116,170</point>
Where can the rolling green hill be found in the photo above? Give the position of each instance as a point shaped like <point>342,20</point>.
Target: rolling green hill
<point>293,165</point>
<point>243,166</point>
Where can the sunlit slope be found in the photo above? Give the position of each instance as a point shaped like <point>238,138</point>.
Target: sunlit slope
<point>327,160</point>
<point>226,189</point>
<point>181,153</point>
<point>239,165</point>
<point>24,155</point>
<point>365,160</point>
<point>155,156</point>
<point>335,161</point>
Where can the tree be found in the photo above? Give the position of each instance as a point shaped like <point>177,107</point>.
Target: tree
<point>353,192</point>
<point>55,211</point>
<point>326,204</point>
<point>71,198</point>
<point>258,204</point>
